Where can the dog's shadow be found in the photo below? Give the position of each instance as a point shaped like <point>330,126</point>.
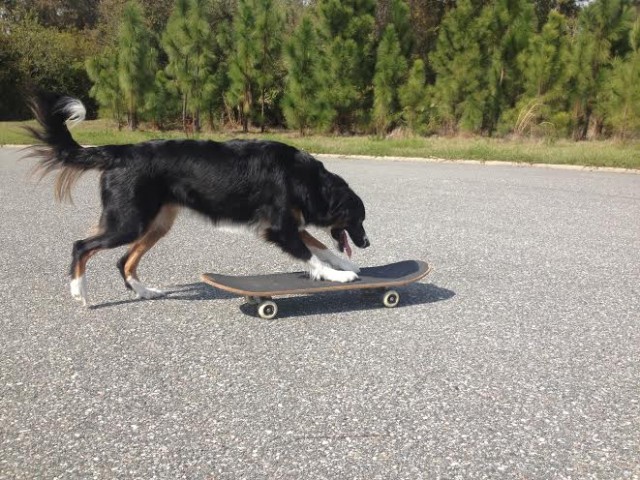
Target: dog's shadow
<point>190,292</point>
<point>308,304</point>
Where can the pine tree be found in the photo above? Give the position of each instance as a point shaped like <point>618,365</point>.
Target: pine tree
<point>221,20</point>
<point>102,71</point>
<point>544,8</point>
<point>398,14</point>
<point>187,42</point>
<point>346,31</point>
<point>509,26</point>
<point>255,64</point>
<point>602,34</point>
<point>137,61</point>
<point>460,63</point>
<point>391,68</point>
<point>426,20</point>
<point>620,102</point>
<point>544,80</point>
<point>414,98</point>
<point>164,101</point>
<point>268,32</point>
<point>300,103</point>
<point>543,63</point>
<point>242,65</point>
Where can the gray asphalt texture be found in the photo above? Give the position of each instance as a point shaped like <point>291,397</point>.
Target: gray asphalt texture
<point>517,358</point>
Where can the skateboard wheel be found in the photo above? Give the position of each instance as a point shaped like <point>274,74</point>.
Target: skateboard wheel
<point>391,298</point>
<point>251,300</point>
<point>267,309</point>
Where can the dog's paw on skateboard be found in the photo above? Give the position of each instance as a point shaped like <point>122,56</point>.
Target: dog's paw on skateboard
<point>331,275</point>
<point>344,264</point>
<point>319,270</point>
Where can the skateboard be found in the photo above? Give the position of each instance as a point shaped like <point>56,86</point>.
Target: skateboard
<point>260,289</point>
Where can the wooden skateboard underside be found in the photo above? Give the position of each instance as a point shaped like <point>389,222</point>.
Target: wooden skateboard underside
<point>383,276</point>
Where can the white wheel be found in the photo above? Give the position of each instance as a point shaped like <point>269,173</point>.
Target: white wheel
<point>391,298</point>
<point>268,309</point>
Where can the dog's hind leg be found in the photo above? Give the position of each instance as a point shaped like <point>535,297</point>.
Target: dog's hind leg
<point>128,264</point>
<point>83,250</point>
<point>119,226</point>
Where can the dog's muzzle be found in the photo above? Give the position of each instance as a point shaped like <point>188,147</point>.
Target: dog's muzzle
<point>360,241</point>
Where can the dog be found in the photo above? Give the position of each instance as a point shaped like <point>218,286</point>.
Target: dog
<point>270,188</point>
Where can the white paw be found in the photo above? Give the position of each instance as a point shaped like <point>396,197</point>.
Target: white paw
<point>144,292</point>
<point>320,271</point>
<point>344,264</point>
<point>335,261</point>
<point>79,290</point>
<point>340,276</point>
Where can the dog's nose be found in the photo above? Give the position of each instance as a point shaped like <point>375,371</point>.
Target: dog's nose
<point>365,242</point>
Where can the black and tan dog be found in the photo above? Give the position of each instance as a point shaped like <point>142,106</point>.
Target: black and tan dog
<point>268,187</point>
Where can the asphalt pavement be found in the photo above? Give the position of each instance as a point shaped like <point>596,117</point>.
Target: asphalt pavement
<point>518,357</point>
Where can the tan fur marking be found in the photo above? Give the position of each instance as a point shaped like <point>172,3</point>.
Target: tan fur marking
<point>95,230</point>
<point>81,266</point>
<point>300,220</point>
<point>311,241</point>
<point>158,229</point>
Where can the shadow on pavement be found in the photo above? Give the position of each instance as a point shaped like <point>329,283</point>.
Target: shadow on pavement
<point>300,305</point>
<point>352,301</point>
<point>191,291</point>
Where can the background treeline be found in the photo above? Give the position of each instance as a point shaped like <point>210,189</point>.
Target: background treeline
<point>560,68</point>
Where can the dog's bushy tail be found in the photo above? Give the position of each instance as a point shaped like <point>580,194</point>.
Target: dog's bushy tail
<point>56,150</point>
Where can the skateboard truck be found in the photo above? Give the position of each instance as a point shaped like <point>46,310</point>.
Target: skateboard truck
<point>268,309</point>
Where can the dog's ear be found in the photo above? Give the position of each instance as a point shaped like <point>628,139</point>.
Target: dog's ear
<point>335,192</point>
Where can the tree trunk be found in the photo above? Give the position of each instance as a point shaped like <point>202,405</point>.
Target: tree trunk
<point>262,112</point>
<point>184,113</point>
<point>132,119</point>
<point>246,106</point>
<point>245,123</point>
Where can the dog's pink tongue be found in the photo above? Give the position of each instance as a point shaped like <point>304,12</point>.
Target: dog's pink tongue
<point>345,242</point>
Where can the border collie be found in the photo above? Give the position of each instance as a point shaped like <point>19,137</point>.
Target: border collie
<point>271,188</point>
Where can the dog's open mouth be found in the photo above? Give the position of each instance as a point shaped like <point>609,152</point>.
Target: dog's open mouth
<point>344,243</point>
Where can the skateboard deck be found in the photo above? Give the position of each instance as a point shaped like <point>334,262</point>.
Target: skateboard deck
<point>263,287</point>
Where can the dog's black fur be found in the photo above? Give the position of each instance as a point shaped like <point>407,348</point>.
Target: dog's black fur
<point>269,185</point>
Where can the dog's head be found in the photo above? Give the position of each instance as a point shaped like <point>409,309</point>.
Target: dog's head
<point>346,216</point>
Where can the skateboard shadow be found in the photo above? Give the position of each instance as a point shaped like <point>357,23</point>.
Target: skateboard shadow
<point>301,305</point>
<point>352,301</point>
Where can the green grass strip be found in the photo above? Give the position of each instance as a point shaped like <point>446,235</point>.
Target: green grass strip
<point>601,153</point>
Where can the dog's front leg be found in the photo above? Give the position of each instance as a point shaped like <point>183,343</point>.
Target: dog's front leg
<point>286,235</point>
<point>321,251</point>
